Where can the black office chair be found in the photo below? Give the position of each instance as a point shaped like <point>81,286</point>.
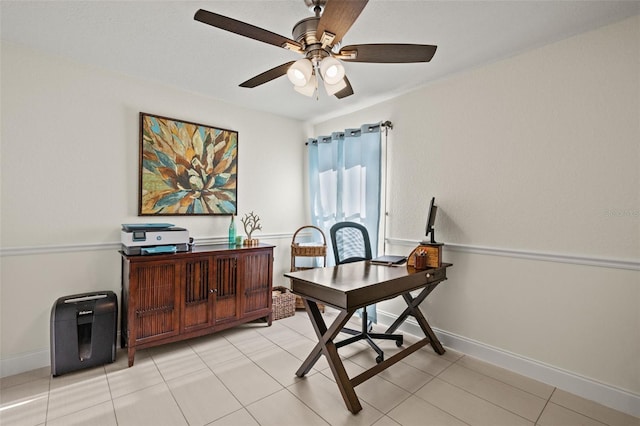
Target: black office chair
<point>350,242</point>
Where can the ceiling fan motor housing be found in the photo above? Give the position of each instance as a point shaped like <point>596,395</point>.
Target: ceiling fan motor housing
<point>304,32</point>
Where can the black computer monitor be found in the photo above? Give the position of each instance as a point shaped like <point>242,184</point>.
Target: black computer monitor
<point>431,219</point>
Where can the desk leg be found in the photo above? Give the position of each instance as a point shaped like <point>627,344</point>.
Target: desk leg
<point>413,308</point>
<point>328,348</point>
<point>426,328</point>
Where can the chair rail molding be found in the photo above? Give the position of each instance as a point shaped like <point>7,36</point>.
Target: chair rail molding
<point>629,264</point>
<point>75,247</point>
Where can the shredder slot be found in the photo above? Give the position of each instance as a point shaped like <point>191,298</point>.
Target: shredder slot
<point>85,319</point>
<point>84,341</point>
<point>85,298</point>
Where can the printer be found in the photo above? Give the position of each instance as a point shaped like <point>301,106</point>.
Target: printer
<point>153,238</point>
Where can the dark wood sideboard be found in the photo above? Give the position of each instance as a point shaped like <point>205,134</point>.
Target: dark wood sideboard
<point>171,297</point>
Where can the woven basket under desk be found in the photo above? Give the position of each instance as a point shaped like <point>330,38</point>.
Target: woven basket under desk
<point>283,303</point>
<point>316,249</point>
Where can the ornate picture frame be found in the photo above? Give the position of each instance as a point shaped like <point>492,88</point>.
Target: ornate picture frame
<point>186,168</point>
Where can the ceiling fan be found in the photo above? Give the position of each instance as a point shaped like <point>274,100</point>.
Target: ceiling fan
<point>319,39</point>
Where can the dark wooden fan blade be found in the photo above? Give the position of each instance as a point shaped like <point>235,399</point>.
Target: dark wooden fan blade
<point>338,16</point>
<point>347,91</point>
<point>389,53</point>
<point>247,30</point>
<point>267,76</point>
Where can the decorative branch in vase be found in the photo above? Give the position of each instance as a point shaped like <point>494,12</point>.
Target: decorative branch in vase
<point>250,221</point>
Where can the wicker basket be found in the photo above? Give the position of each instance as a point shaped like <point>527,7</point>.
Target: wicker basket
<point>283,303</point>
<point>317,249</point>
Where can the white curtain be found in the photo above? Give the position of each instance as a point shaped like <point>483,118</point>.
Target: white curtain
<point>345,182</point>
<point>344,179</point>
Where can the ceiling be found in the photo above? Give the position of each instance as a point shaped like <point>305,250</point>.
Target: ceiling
<point>160,41</point>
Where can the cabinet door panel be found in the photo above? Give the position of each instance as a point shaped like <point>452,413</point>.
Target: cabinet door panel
<point>156,314</point>
<point>226,284</point>
<point>256,278</point>
<point>196,305</point>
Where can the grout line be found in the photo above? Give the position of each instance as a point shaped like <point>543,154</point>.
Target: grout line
<point>113,406</point>
<point>577,412</point>
<point>502,381</point>
<point>306,405</point>
<point>444,369</point>
<point>286,388</point>
<point>219,379</point>
<point>71,385</point>
<point>506,383</point>
<point>46,411</point>
<point>265,372</point>
<point>545,406</point>
<point>164,381</point>
<point>486,400</point>
<point>242,406</point>
<point>440,409</point>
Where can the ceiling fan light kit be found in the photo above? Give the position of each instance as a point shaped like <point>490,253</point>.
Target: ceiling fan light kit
<point>332,70</point>
<point>332,89</point>
<point>316,38</point>
<point>300,72</point>
<point>308,89</point>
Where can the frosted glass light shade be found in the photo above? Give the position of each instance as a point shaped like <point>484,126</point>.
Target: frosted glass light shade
<point>332,70</point>
<point>332,89</point>
<point>309,88</point>
<point>300,72</point>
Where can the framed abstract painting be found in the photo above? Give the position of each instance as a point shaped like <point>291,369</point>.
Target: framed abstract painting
<point>186,168</point>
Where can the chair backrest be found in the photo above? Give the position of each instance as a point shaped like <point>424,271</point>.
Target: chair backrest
<point>350,242</point>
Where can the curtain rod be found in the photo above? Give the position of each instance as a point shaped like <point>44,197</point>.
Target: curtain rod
<point>386,125</point>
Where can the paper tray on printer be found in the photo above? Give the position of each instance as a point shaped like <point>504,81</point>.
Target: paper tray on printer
<point>145,226</point>
<point>150,250</point>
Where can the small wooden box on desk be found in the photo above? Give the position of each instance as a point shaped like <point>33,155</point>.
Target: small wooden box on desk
<point>426,255</point>
<point>177,296</point>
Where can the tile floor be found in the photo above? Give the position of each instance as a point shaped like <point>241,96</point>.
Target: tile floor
<point>246,376</point>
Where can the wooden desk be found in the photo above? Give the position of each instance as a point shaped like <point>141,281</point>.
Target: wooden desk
<point>350,287</point>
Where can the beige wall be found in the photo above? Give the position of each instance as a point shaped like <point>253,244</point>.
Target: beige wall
<point>70,178</point>
<point>534,163</point>
<point>526,153</point>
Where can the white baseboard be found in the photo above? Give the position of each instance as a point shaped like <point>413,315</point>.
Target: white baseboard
<point>31,361</point>
<point>25,362</point>
<point>610,396</point>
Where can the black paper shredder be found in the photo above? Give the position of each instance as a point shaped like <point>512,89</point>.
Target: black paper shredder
<point>83,331</point>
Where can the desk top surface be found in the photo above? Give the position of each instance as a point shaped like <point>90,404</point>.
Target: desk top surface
<point>359,284</point>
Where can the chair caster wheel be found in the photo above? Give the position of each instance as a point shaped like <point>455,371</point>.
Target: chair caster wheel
<point>379,359</point>
<point>399,343</point>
